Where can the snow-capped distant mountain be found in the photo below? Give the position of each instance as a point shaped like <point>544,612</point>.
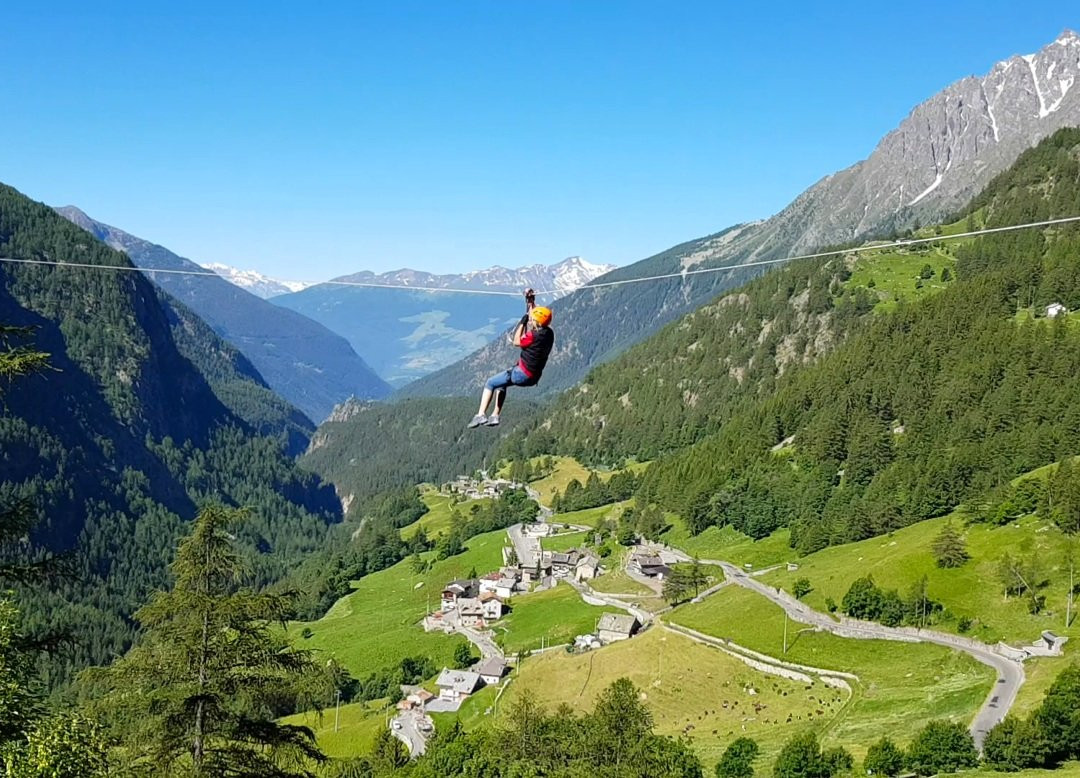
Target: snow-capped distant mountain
<point>558,279</point>
<point>409,332</point>
<point>255,282</point>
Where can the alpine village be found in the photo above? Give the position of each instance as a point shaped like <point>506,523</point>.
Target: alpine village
<point>799,498</point>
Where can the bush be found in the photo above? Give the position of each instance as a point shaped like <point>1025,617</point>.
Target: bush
<point>738,759</point>
<point>942,747</point>
<point>1014,744</point>
<point>801,757</point>
<point>884,758</point>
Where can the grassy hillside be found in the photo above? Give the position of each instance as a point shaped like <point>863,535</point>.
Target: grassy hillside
<point>691,689</point>
<point>899,560</point>
<point>556,616</point>
<point>895,275</point>
<point>901,684</point>
<point>440,513</point>
<point>378,624</point>
<point>731,545</point>
<point>591,517</point>
<point>358,724</point>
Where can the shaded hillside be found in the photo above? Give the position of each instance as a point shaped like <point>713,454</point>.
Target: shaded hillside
<point>118,443</point>
<point>942,154</point>
<point>303,361</point>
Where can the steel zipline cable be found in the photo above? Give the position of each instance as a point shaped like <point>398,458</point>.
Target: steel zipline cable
<point>904,243</point>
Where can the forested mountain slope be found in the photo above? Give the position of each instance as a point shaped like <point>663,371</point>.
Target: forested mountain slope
<point>932,404</point>
<point>942,154</point>
<point>307,364</point>
<point>118,443</point>
<point>365,449</point>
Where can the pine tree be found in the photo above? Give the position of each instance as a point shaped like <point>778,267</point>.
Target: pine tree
<point>949,547</point>
<point>676,586</point>
<point>195,695</point>
<point>463,656</point>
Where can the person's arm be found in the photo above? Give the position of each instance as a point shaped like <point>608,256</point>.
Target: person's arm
<point>522,337</point>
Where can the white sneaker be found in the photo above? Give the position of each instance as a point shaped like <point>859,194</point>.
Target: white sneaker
<point>477,420</point>
<point>493,421</point>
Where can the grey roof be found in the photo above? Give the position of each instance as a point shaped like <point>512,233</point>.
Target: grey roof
<point>493,665</point>
<point>623,623</point>
<point>461,681</point>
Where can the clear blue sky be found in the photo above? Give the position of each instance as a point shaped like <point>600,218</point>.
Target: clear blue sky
<point>450,135</point>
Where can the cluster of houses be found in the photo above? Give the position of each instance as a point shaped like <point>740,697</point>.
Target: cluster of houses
<point>456,685</point>
<point>580,565</point>
<point>479,488</point>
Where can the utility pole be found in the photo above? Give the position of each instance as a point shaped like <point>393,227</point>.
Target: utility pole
<point>1068,606</point>
<point>785,631</point>
<point>337,711</point>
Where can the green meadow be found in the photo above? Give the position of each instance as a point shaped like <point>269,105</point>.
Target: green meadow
<point>902,685</point>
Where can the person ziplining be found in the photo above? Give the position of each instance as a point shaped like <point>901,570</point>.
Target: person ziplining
<point>534,337</point>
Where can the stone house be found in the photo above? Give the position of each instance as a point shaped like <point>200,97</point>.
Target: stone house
<point>616,626</point>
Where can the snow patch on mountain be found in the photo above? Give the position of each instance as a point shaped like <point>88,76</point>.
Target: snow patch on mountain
<point>556,280</point>
<point>255,282</point>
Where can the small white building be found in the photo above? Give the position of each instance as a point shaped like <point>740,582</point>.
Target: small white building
<point>491,670</point>
<point>504,587</point>
<point>1053,310</point>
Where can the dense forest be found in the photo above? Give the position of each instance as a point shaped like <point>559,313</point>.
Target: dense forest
<point>142,415</point>
<point>927,406</point>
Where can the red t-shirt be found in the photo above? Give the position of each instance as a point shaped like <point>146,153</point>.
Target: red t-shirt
<point>535,348</point>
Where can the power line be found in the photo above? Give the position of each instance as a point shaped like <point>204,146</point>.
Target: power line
<point>836,252</point>
<point>212,274</point>
<point>603,284</point>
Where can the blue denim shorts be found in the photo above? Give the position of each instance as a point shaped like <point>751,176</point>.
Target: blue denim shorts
<point>512,377</point>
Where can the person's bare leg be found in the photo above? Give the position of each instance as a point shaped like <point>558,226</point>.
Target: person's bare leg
<point>500,398</point>
<point>485,401</point>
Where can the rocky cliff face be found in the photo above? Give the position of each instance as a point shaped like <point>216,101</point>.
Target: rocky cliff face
<point>944,152</point>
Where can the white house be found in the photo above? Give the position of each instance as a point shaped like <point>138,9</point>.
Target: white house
<point>504,587</point>
<point>492,606</point>
<point>1053,310</point>
<point>457,684</point>
<point>489,582</point>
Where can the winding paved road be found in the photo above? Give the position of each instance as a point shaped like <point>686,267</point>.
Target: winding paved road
<point>526,548</point>
<point>409,732</point>
<point>1010,673</point>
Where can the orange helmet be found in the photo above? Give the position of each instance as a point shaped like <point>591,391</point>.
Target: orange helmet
<point>541,315</point>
